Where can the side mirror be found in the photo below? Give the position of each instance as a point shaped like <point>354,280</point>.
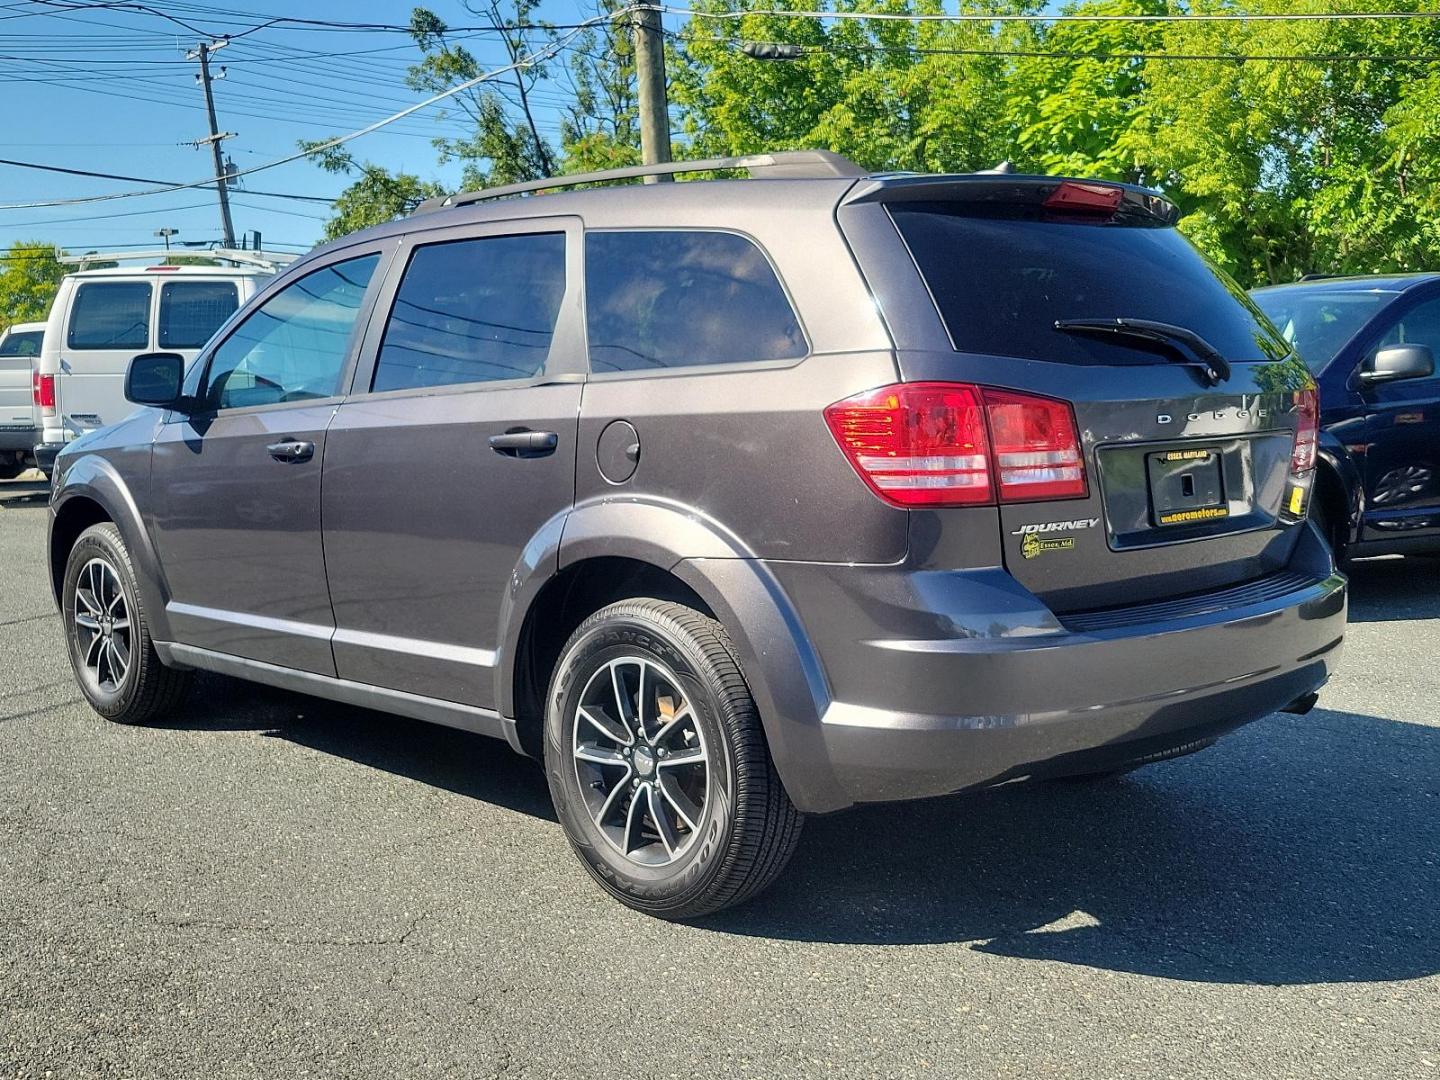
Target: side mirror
<point>1399,362</point>
<point>155,378</point>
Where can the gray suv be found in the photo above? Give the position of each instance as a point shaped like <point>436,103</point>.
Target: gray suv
<point>730,501</point>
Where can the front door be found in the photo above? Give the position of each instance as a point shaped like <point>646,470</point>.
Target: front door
<point>237,481</point>
<point>1402,466</point>
<point>455,448</point>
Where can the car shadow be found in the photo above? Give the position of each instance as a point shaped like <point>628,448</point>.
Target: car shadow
<point>470,765</point>
<point>1299,850</point>
<point>1392,589</point>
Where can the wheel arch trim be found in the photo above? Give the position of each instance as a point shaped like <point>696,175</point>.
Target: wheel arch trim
<point>779,661</point>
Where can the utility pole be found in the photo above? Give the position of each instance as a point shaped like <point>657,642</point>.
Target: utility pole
<point>650,82</point>
<point>202,53</point>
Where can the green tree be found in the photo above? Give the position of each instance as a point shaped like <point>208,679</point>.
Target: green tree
<point>30,273</point>
<point>375,197</point>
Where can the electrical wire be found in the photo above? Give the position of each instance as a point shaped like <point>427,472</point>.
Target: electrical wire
<point>528,61</point>
<point>895,16</point>
<point>149,180</point>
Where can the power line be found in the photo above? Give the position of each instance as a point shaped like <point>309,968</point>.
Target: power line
<point>1059,54</point>
<point>530,60</point>
<point>147,180</point>
<point>889,16</point>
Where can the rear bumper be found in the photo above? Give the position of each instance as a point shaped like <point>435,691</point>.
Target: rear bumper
<point>1009,692</point>
<point>18,438</point>
<point>45,455</point>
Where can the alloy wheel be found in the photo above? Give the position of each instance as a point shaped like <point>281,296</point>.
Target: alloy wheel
<point>102,626</point>
<point>641,760</point>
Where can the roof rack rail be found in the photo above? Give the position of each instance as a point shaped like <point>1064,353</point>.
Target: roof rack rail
<point>264,260</point>
<point>787,165</point>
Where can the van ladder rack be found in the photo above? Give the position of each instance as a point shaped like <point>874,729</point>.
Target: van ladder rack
<point>264,260</point>
<point>784,165</point>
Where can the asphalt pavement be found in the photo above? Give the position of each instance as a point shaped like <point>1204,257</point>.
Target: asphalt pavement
<point>271,886</point>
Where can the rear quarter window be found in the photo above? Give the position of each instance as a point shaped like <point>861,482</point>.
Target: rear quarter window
<point>191,311</point>
<point>110,315</point>
<point>1001,276</point>
<point>660,299</point>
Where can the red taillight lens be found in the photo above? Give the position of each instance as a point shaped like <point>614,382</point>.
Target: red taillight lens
<point>1307,431</point>
<point>1037,449</point>
<point>951,444</point>
<point>917,444</point>
<point>43,390</point>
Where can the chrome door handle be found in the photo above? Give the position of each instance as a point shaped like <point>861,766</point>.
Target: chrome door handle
<point>292,451</point>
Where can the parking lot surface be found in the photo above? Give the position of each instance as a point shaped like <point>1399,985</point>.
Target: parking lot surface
<point>271,886</point>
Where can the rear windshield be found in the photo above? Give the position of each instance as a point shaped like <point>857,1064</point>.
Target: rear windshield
<point>110,315</point>
<point>1317,321</point>
<point>191,311</point>
<point>1002,276</point>
<point>26,343</point>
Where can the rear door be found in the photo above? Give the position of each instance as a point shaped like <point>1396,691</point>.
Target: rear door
<point>455,449</point>
<point>19,351</point>
<point>1187,478</point>
<point>236,482</point>
<point>1402,463</point>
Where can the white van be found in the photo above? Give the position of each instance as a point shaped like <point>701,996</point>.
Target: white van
<point>103,318</point>
<point>19,411</point>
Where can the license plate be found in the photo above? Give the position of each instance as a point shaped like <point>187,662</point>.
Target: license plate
<point>1186,486</point>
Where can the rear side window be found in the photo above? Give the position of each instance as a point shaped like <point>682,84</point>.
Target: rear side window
<point>1001,277</point>
<point>191,311</point>
<point>472,311</point>
<point>110,315</point>
<point>665,299</point>
<point>26,343</point>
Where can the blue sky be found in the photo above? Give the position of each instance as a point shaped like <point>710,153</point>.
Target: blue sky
<point>110,91</point>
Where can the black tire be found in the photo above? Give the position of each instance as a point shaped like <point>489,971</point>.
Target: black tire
<point>145,689</point>
<point>746,828</point>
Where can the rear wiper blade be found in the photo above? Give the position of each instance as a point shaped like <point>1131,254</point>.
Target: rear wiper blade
<point>1193,349</point>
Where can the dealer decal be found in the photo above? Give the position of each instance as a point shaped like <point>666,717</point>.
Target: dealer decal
<point>1207,513</point>
<point>1036,538</point>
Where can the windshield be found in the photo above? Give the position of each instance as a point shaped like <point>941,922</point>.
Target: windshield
<point>1003,275</point>
<point>1318,322</point>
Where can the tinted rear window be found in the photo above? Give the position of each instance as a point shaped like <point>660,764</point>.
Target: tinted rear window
<point>1003,277</point>
<point>191,311</point>
<point>1319,322</point>
<point>22,344</point>
<point>671,298</point>
<point>110,315</point>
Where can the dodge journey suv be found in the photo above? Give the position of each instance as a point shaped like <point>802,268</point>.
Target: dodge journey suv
<point>730,501</point>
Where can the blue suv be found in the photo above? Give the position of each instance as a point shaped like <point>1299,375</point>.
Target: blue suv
<point>1371,343</point>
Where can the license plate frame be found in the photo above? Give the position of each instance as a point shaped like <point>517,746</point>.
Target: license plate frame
<point>1186,486</point>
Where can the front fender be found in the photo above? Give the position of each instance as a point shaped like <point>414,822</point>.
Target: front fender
<point>96,479</point>
<point>780,664</point>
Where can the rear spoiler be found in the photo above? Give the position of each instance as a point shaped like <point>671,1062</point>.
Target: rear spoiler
<point>1061,195</point>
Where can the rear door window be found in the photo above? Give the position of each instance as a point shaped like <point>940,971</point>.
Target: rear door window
<point>1002,275</point>
<point>110,315</point>
<point>191,311</point>
<point>26,343</point>
<point>473,311</point>
<point>659,299</point>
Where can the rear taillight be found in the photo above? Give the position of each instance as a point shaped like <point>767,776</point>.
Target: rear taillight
<point>1307,430</point>
<point>43,391</point>
<point>952,444</point>
<point>1037,450</point>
